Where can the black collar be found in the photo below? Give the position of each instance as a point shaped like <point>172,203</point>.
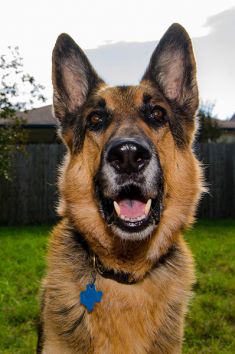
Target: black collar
<point>120,277</point>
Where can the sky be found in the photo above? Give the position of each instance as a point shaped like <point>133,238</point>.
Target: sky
<point>119,37</point>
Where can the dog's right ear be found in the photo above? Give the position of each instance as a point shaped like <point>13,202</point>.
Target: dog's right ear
<point>172,69</point>
<point>73,77</point>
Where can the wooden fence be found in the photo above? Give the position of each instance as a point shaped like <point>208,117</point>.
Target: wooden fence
<point>32,195</point>
<point>219,166</point>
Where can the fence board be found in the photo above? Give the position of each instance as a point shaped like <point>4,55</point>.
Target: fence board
<point>32,195</point>
<point>219,164</point>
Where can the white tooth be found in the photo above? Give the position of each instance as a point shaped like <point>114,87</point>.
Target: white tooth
<point>117,208</point>
<point>147,206</point>
<point>141,217</point>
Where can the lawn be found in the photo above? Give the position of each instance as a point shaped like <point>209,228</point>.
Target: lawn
<point>210,324</point>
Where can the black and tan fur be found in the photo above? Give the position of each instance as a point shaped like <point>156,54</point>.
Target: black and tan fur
<point>145,315</point>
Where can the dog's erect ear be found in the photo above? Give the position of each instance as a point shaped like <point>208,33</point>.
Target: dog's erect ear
<point>172,68</point>
<point>73,77</point>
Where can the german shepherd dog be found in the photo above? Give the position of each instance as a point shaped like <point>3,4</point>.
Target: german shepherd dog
<point>119,273</point>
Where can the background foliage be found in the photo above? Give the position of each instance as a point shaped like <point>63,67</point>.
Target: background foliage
<point>18,92</point>
<point>209,130</point>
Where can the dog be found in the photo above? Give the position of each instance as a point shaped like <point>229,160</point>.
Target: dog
<point>119,274</point>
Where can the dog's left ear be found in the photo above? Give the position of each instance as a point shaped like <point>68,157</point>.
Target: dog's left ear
<point>73,77</point>
<point>172,68</point>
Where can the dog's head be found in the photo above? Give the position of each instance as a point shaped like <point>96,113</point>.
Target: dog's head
<point>130,171</point>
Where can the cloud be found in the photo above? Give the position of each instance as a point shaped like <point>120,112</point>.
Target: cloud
<point>216,57</point>
<point>125,63</point>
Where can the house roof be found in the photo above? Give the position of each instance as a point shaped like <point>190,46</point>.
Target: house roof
<point>39,116</point>
<point>233,118</point>
<point>226,124</point>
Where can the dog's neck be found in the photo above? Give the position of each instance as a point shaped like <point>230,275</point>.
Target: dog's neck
<point>120,274</point>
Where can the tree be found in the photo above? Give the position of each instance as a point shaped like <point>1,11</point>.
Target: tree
<point>208,127</point>
<point>18,93</point>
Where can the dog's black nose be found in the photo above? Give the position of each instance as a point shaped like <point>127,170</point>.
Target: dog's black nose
<point>128,156</point>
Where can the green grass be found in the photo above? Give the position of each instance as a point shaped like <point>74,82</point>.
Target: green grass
<point>210,325</point>
<point>22,252</point>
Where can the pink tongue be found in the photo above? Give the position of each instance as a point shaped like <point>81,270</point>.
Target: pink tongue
<point>131,208</point>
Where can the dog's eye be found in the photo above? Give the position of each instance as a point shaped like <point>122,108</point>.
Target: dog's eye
<point>154,115</point>
<point>157,113</point>
<point>94,121</point>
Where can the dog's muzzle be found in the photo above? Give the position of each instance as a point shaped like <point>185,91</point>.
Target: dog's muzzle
<point>129,187</point>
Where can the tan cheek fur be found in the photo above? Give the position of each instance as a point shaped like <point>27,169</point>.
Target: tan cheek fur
<point>79,196</point>
<point>183,187</point>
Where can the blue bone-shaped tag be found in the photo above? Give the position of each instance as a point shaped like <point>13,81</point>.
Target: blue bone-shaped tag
<point>90,296</point>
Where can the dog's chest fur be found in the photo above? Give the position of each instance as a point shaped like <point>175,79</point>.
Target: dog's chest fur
<point>146,317</point>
